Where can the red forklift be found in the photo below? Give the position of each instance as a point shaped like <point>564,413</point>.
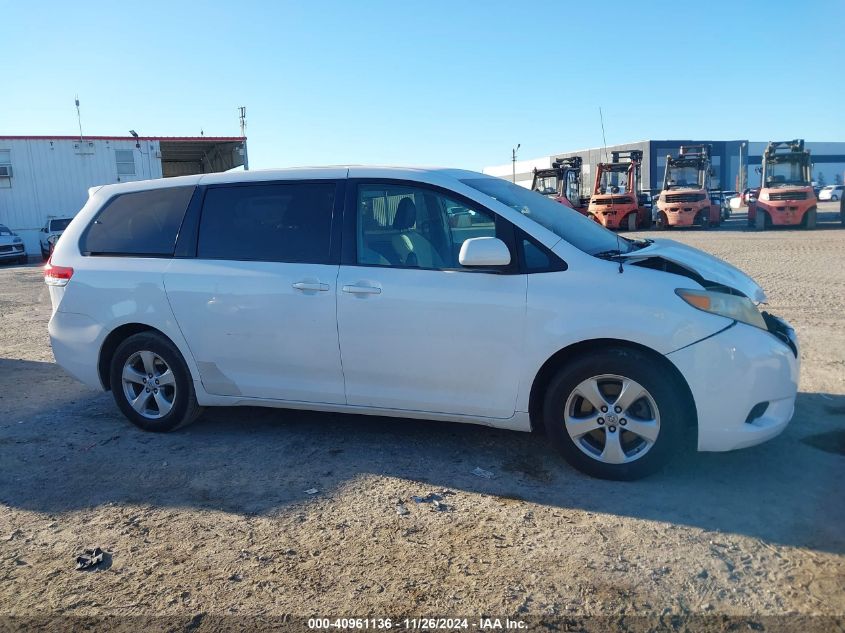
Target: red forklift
<point>786,195</point>
<point>616,201</point>
<point>562,183</point>
<point>686,197</point>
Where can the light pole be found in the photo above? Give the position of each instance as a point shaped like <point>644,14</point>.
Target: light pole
<point>741,186</point>
<point>513,162</point>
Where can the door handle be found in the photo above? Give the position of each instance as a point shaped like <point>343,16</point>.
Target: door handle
<point>362,290</point>
<point>313,286</point>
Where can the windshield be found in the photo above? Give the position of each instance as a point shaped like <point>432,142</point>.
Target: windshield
<point>577,229</point>
<point>59,225</point>
<point>546,186</point>
<point>683,177</point>
<point>4,230</point>
<point>785,173</point>
<point>613,179</point>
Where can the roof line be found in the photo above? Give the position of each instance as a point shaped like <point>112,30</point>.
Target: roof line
<point>124,138</point>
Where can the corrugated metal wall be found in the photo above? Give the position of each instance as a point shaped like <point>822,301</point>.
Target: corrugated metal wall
<point>52,177</point>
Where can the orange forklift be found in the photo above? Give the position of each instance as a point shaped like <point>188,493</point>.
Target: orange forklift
<point>786,195</point>
<point>562,183</point>
<point>686,199</point>
<point>616,204</point>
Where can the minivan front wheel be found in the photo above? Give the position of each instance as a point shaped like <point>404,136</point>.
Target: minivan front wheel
<point>151,383</point>
<point>614,415</point>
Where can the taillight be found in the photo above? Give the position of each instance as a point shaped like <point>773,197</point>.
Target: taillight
<point>57,275</point>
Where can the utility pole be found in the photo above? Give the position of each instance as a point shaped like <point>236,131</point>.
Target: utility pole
<point>513,162</point>
<point>242,115</point>
<point>741,185</point>
<point>79,118</point>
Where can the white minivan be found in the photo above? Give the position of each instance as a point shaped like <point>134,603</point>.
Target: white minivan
<point>435,294</point>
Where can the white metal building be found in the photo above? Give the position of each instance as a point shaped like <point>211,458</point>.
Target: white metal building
<point>49,176</point>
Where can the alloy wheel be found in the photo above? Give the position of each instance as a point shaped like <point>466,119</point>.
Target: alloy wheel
<point>149,384</point>
<point>612,419</point>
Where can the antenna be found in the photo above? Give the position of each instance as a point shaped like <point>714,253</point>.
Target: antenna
<point>604,140</point>
<point>78,117</point>
<point>242,115</point>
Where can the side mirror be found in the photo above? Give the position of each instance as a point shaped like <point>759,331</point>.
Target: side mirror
<point>484,251</point>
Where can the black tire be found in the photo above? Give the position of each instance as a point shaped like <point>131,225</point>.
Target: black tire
<point>834,198</point>
<point>44,255</point>
<point>661,388</point>
<point>184,409</point>
<point>23,260</point>
<point>760,220</point>
<point>810,219</point>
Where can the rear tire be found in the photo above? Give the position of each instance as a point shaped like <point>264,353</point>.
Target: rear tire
<point>810,219</point>
<point>608,444</point>
<point>45,255</point>
<point>631,221</point>
<point>760,220</point>
<point>151,383</point>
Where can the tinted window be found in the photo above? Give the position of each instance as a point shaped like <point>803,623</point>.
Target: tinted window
<point>59,225</point>
<point>406,226</point>
<point>268,222</point>
<point>139,223</point>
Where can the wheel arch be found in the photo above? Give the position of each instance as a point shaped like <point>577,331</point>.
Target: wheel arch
<point>115,338</point>
<point>567,354</point>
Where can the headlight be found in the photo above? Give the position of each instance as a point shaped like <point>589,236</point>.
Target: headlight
<point>17,240</point>
<point>764,196</point>
<point>730,306</point>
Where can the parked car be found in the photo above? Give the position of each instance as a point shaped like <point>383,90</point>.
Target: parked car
<point>349,289</point>
<point>725,203</point>
<point>50,233</point>
<point>12,247</point>
<point>831,192</point>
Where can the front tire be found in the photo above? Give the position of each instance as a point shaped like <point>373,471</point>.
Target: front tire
<point>631,221</point>
<point>615,414</point>
<point>151,383</point>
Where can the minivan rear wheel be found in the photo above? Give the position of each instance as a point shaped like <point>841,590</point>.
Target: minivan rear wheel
<point>614,415</point>
<point>151,383</point>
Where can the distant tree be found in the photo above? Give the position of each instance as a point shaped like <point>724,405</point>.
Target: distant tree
<point>837,179</point>
<point>820,180</point>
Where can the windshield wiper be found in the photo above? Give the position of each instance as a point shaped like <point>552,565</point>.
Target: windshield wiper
<point>609,254</point>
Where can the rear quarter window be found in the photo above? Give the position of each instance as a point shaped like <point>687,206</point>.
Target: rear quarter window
<point>143,223</point>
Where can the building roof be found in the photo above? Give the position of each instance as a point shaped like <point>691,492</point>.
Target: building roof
<point>211,139</point>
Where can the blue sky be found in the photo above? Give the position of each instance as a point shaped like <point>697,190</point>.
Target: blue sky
<point>433,82</point>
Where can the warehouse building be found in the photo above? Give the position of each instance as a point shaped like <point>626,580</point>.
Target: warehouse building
<point>49,176</point>
<point>734,163</point>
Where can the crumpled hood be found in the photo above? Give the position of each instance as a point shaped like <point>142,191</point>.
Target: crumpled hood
<point>708,267</point>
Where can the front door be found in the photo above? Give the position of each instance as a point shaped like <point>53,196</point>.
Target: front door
<point>257,305</point>
<point>418,332</point>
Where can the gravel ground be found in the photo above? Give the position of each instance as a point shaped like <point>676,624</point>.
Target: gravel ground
<point>215,519</point>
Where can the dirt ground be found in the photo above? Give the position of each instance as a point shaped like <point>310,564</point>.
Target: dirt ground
<point>215,519</point>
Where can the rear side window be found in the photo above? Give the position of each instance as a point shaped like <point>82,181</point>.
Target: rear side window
<point>284,222</point>
<point>139,223</point>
